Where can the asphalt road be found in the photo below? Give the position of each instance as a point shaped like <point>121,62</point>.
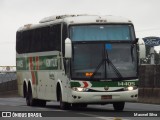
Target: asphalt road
<point>92,112</point>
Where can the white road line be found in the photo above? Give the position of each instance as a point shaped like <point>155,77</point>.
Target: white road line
<point>103,118</point>
<point>50,109</point>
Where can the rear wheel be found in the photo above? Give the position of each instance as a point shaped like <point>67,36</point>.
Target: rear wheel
<point>119,106</point>
<point>34,102</point>
<point>29,99</point>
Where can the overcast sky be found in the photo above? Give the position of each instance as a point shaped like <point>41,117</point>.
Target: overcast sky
<point>15,13</point>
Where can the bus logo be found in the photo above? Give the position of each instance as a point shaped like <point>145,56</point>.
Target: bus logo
<point>106,88</point>
<point>51,63</point>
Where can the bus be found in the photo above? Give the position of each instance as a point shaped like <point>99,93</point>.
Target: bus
<point>78,60</point>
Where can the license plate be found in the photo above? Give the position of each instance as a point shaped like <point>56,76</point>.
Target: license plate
<point>104,97</point>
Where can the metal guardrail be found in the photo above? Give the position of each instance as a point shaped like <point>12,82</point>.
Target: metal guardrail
<point>7,73</point>
<point>149,84</point>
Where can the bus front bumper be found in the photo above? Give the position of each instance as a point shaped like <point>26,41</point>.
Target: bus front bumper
<point>103,97</point>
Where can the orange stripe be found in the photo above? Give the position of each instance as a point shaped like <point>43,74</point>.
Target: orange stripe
<point>31,63</point>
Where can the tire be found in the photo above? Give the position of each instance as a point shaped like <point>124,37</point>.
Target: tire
<point>29,99</point>
<point>118,106</point>
<point>24,90</point>
<point>63,105</point>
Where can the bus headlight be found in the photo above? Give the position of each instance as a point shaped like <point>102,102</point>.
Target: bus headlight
<point>80,89</point>
<point>130,88</point>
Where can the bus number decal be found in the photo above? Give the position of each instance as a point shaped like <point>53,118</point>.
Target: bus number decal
<point>126,84</point>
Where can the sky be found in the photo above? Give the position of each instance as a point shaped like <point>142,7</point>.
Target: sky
<point>15,13</point>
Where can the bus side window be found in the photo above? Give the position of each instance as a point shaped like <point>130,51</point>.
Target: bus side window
<point>19,43</point>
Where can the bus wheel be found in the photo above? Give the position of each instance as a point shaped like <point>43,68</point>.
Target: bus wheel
<point>118,106</point>
<point>29,99</point>
<point>63,105</point>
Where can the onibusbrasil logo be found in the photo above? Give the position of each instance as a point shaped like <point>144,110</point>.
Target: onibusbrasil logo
<point>21,114</point>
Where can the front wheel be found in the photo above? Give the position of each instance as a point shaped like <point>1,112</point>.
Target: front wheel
<point>118,106</point>
<point>63,105</point>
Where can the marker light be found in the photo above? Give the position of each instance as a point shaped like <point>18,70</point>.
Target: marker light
<point>88,74</point>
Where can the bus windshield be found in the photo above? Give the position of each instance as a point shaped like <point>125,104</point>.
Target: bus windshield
<point>101,32</point>
<point>88,56</point>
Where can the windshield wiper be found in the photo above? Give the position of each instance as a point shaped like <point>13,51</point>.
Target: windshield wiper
<point>109,63</point>
<point>115,69</point>
<point>97,68</point>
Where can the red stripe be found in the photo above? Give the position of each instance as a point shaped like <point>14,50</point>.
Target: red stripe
<point>85,84</point>
<point>31,63</point>
<point>32,73</point>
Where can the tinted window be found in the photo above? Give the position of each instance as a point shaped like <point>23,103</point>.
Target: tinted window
<point>40,39</point>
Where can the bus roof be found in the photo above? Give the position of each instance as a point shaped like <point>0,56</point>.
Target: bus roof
<point>95,19</point>
<point>76,19</point>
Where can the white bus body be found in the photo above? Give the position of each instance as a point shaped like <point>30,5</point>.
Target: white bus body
<point>53,64</point>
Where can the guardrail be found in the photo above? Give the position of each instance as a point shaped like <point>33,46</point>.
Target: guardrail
<point>149,85</point>
<point>7,73</point>
<point>8,79</point>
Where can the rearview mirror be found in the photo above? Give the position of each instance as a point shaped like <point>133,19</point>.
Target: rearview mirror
<point>142,49</point>
<point>68,48</point>
<point>135,41</point>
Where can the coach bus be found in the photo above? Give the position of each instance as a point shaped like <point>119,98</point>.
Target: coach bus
<point>78,60</point>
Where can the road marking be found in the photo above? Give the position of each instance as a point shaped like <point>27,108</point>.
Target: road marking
<point>49,109</point>
<point>103,118</point>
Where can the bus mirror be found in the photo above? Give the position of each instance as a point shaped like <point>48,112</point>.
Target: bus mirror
<point>142,49</point>
<point>135,41</point>
<point>68,48</point>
